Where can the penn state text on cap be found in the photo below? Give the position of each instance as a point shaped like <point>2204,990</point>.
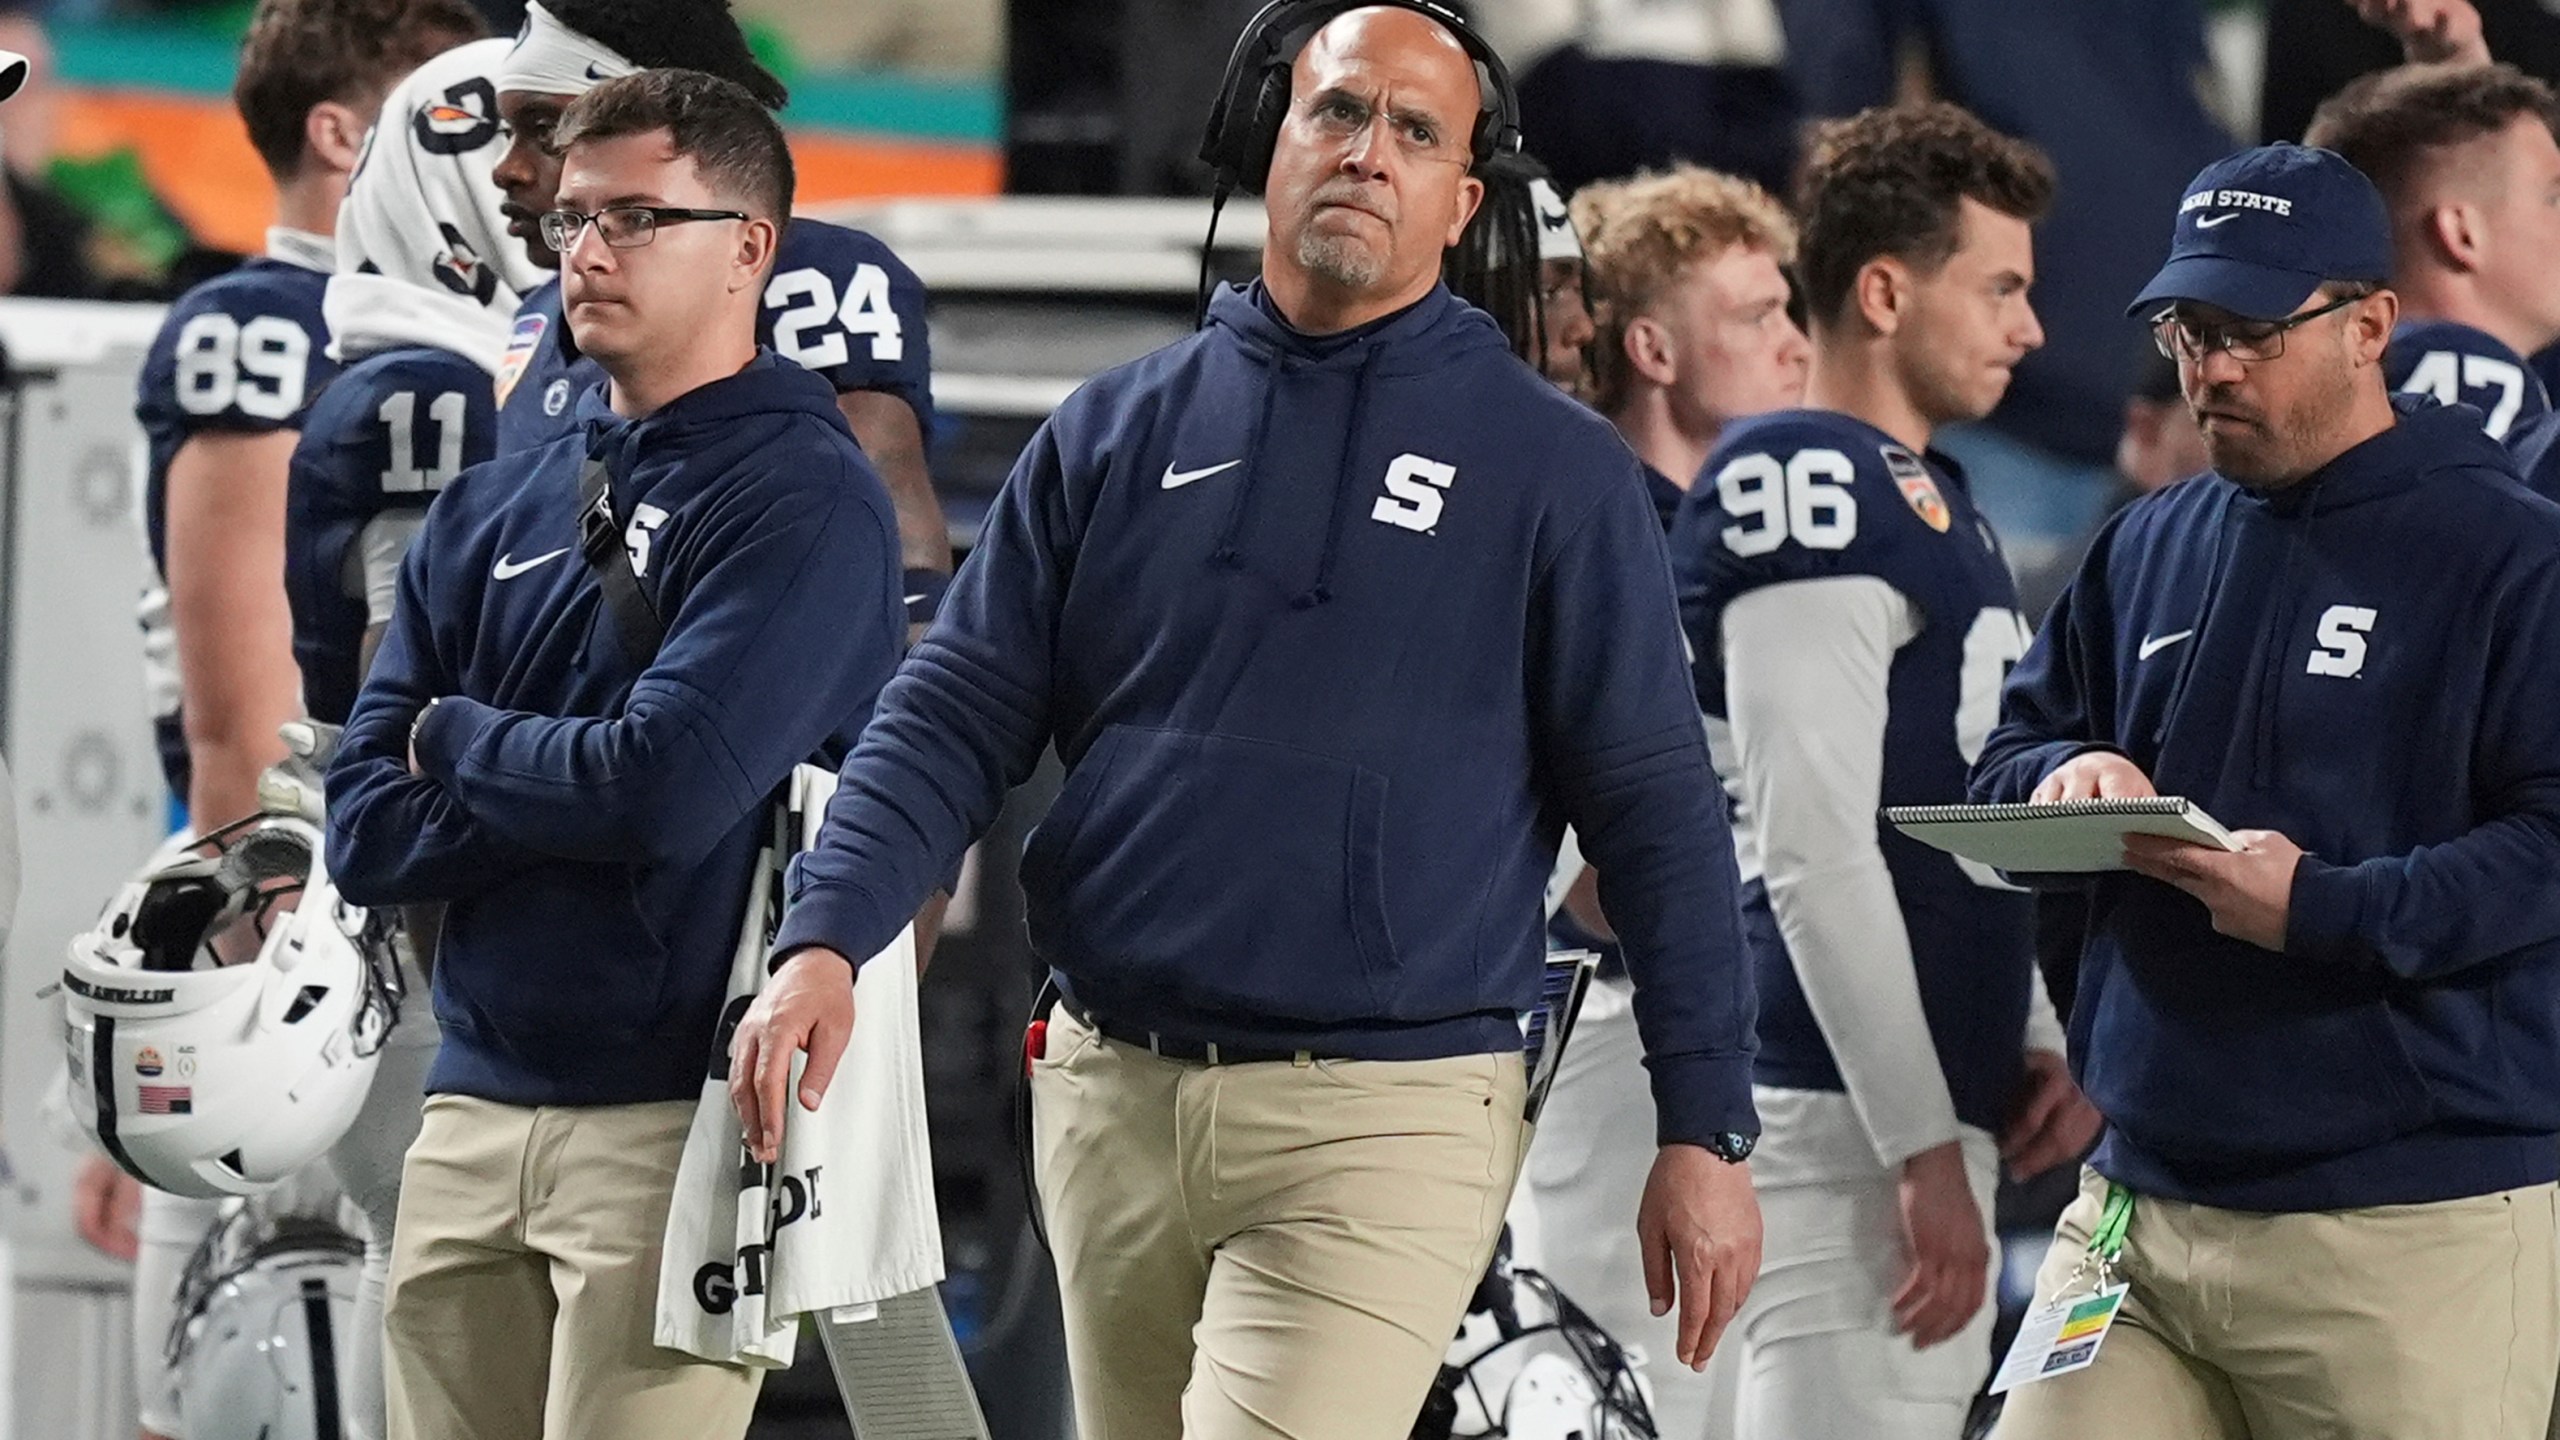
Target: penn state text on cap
<point>2260,230</point>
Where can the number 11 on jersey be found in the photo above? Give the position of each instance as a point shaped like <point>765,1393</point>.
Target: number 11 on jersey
<point>399,415</point>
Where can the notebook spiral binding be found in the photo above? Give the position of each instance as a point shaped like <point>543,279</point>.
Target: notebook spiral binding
<point>1965,814</point>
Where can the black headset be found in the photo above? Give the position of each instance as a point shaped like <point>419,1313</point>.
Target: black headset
<point>1253,97</point>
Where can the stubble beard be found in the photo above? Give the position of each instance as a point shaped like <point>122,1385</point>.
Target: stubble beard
<point>1340,260</point>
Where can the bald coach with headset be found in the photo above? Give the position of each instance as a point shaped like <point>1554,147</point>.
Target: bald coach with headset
<point>1337,613</point>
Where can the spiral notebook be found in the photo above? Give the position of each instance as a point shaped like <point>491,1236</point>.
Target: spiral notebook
<point>2070,836</point>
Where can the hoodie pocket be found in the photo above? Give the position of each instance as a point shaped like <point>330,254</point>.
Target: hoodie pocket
<point>1217,876</point>
<point>589,967</point>
<point>2243,1059</point>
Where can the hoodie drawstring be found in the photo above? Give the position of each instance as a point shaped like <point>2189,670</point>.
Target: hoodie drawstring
<point>1229,551</point>
<point>2266,754</point>
<point>1322,590</point>
<point>2204,613</point>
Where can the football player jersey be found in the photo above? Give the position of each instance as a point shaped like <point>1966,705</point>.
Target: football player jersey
<point>383,440</point>
<point>2457,364</point>
<point>839,302</point>
<point>2462,366</point>
<point>1666,496</point>
<point>243,353</point>
<point>1806,495</point>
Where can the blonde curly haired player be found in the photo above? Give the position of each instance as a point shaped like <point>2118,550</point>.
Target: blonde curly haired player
<point>1688,278</point>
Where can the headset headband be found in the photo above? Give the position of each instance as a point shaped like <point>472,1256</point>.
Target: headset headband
<point>1244,121</point>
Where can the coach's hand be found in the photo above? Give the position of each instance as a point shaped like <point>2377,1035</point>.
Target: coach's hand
<point>2249,890</point>
<point>1698,1226</point>
<point>807,1005</point>
<point>2052,1123</point>
<point>1950,1257</point>
<point>2093,775</point>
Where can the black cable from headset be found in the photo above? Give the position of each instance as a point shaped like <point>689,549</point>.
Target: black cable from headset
<point>1208,256</point>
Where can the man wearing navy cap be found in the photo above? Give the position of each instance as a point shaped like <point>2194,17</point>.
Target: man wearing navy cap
<point>2327,1059</point>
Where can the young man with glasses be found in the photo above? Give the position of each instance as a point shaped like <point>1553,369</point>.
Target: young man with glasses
<point>582,781</point>
<point>838,301</point>
<point>2325,1058</point>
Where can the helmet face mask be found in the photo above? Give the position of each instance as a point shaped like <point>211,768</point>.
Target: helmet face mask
<point>220,901</point>
<point>1529,1364</point>
<point>267,1301</point>
<point>224,1017</point>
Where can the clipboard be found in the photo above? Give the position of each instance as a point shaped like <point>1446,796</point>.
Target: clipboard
<point>2068,837</point>
<point>1563,983</point>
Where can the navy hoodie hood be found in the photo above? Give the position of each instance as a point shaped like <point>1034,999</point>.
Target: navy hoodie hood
<point>591,823</point>
<point>2364,663</point>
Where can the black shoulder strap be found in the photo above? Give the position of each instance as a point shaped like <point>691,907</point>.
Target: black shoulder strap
<point>600,541</point>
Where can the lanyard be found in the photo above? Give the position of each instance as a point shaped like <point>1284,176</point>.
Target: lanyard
<point>2107,1241</point>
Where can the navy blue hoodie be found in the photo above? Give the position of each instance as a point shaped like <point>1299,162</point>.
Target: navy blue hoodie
<point>1334,635</point>
<point>2368,662</point>
<point>592,825</point>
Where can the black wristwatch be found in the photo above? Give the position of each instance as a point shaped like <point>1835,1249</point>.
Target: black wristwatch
<point>1732,1146</point>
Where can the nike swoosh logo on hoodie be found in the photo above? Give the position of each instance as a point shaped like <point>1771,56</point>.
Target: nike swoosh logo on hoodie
<point>2154,644</point>
<point>509,568</point>
<point>1176,479</point>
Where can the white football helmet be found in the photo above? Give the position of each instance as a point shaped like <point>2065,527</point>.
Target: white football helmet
<point>1529,1364</point>
<point>219,1037</point>
<point>265,1317</point>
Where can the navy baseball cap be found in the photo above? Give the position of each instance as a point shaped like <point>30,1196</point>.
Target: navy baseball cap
<point>2260,230</point>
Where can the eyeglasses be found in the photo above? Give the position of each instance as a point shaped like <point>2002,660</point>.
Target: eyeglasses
<point>1341,118</point>
<point>2246,340</point>
<point>624,227</point>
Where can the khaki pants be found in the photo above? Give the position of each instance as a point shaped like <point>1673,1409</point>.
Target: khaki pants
<point>524,1281</point>
<point>2401,1322</point>
<point>1270,1250</point>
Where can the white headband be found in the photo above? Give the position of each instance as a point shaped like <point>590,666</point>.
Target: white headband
<point>552,59</point>
<point>1556,238</point>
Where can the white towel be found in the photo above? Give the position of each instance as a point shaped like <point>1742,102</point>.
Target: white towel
<point>846,1219</point>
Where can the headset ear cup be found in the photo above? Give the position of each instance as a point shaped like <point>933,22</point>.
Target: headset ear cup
<point>1262,134</point>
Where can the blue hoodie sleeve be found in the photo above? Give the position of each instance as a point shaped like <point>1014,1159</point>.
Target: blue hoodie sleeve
<point>2060,700</point>
<point>1620,735</point>
<point>394,837</point>
<point>2443,908</point>
<point>780,640</point>
<point>964,722</point>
